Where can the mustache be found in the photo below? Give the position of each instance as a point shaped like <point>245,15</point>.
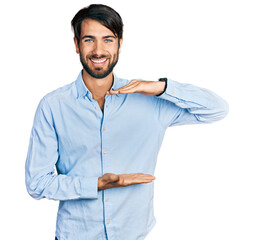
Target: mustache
<point>96,56</point>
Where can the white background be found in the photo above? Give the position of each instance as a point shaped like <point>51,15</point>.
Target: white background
<point>204,190</point>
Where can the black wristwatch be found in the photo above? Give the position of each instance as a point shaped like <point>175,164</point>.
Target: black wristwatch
<point>166,83</point>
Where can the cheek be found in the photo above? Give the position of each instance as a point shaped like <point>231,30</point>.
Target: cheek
<point>85,50</point>
<point>114,50</point>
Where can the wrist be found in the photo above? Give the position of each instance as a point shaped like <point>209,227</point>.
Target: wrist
<point>163,84</point>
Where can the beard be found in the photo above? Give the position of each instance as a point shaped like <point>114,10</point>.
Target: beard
<point>98,72</point>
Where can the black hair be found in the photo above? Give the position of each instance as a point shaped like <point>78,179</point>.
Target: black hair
<point>106,15</point>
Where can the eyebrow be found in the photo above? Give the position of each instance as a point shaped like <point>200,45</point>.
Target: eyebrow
<point>105,37</point>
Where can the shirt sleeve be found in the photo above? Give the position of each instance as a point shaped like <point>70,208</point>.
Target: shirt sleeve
<point>182,103</point>
<point>41,179</point>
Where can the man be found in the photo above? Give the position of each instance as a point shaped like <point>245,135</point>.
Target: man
<point>103,134</point>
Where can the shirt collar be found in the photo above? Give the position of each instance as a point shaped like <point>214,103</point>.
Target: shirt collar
<point>82,90</point>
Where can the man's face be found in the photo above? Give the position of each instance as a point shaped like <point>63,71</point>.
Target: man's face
<point>98,48</point>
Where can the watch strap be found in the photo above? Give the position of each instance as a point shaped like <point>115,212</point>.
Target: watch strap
<point>166,83</point>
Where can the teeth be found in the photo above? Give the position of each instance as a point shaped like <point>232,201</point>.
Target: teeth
<point>98,61</point>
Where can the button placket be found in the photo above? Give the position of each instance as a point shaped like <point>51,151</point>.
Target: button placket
<point>105,138</point>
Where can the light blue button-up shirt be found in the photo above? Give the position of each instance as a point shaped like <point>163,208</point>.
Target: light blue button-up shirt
<point>71,133</point>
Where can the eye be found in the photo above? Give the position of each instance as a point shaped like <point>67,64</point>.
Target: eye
<point>108,40</point>
<point>88,40</point>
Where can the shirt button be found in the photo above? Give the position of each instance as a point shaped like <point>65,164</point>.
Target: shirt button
<point>105,152</point>
<point>107,199</point>
<point>90,95</point>
<point>96,108</point>
<point>108,222</point>
<point>104,129</point>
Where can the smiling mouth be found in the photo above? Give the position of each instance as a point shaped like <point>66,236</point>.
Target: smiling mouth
<point>98,60</point>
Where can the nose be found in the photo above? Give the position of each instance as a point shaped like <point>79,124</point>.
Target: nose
<point>98,48</point>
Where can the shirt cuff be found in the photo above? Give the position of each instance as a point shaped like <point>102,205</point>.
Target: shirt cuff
<point>89,187</point>
<point>173,92</point>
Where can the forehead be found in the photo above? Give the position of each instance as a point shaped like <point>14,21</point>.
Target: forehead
<point>94,28</point>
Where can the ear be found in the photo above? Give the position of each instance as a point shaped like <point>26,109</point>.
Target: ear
<point>76,45</point>
<point>121,42</point>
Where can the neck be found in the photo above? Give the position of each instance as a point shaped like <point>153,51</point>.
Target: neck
<point>97,86</point>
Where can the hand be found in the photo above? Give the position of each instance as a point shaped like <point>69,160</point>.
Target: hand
<point>148,88</point>
<point>111,180</point>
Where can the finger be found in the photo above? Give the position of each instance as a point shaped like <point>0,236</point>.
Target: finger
<point>145,175</point>
<point>111,92</point>
<point>138,178</point>
<point>111,185</point>
<point>146,181</point>
<point>110,177</point>
<point>128,86</point>
<point>144,178</point>
<point>122,89</point>
<point>125,86</point>
<point>131,89</point>
<point>139,181</point>
<point>127,182</point>
<point>148,177</point>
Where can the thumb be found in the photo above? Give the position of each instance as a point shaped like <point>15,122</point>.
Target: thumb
<point>110,177</point>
